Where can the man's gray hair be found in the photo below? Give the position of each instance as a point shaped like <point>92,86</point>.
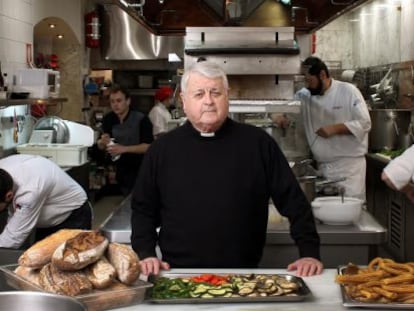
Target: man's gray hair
<point>206,69</point>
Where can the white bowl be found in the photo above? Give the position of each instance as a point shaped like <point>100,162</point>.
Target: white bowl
<point>332,211</point>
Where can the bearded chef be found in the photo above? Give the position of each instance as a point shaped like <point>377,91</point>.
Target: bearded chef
<point>337,123</point>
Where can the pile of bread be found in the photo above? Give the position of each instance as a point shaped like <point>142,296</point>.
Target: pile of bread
<point>75,262</point>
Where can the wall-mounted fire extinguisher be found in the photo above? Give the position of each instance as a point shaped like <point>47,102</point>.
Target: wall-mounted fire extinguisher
<point>92,36</point>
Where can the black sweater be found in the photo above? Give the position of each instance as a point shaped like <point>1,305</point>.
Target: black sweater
<point>210,195</point>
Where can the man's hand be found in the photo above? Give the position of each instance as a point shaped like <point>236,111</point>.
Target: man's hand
<point>409,191</point>
<point>334,129</point>
<point>103,141</point>
<point>280,120</point>
<point>306,266</point>
<point>152,265</point>
<point>115,149</point>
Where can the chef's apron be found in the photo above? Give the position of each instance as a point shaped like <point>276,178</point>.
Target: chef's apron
<point>353,169</point>
<point>128,133</point>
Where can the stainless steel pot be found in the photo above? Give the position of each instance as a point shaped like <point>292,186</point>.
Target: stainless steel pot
<point>386,126</point>
<point>307,184</point>
<point>38,301</point>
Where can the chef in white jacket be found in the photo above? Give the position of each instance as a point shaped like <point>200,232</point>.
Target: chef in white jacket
<point>159,114</point>
<point>40,197</point>
<point>399,173</point>
<point>337,123</point>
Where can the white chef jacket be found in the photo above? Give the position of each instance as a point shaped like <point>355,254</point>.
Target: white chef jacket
<point>159,116</point>
<point>44,196</point>
<point>400,171</point>
<point>341,103</point>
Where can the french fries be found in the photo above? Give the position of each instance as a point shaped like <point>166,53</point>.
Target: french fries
<point>382,281</point>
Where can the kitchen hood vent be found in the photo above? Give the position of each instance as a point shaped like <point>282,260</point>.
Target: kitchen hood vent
<point>234,11</point>
<point>244,50</point>
<point>124,38</point>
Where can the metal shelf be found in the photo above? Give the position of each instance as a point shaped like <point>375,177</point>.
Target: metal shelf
<point>264,106</point>
<point>32,101</point>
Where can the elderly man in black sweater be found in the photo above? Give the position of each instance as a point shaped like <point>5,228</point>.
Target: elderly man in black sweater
<point>206,185</point>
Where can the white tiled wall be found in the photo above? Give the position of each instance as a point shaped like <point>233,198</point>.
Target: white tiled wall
<point>379,32</point>
<point>16,30</point>
<point>17,20</point>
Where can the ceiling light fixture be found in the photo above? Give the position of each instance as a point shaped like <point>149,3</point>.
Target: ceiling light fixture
<point>285,2</point>
<point>52,25</point>
<point>59,36</point>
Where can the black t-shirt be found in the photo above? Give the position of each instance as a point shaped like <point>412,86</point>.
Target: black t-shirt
<point>135,129</point>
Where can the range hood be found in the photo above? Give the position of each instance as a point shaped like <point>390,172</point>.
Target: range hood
<point>124,38</point>
<point>244,50</point>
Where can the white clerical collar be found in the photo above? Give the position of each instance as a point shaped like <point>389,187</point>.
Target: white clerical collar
<point>212,134</point>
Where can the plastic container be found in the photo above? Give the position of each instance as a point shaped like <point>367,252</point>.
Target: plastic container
<point>61,154</point>
<point>116,157</point>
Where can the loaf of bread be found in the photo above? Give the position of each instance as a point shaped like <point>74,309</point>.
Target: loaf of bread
<point>62,282</point>
<point>29,274</point>
<point>41,252</point>
<point>101,273</point>
<point>125,262</point>
<point>78,252</point>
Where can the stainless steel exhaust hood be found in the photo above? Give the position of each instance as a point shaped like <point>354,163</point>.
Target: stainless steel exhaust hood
<point>244,50</point>
<point>124,38</point>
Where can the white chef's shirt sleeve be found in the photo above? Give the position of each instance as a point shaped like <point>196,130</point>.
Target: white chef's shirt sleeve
<point>361,121</point>
<point>400,171</point>
<point>23,220</point>
<point>157,121</point>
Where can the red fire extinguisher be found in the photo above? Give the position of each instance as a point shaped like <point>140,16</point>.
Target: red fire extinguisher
<point>92,35</point>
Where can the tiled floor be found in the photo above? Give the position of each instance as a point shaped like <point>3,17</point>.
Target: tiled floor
<point>103,208</point>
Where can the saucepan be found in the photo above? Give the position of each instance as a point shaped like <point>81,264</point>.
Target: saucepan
<point>337,210</point>
<point>38,301</point>
<point>312,184</point>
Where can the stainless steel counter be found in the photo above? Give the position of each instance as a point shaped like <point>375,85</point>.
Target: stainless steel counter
<point>326,295</point>
<point>356,243</point>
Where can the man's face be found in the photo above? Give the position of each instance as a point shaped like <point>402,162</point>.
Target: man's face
<point>313,84</point>
<point>6,201</point>
<point>119,103</point>
<point>205,102</point>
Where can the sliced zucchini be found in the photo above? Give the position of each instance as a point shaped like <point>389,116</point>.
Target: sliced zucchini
<point>217,292</point>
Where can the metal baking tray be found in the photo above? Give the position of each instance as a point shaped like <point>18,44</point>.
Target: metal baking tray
<point>352,303</point>
<point>97,300</point>
<point>302,293</point>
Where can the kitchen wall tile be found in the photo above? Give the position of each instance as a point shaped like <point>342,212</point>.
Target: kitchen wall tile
<point>407,26</point>
<point>18,9</point>
<point>1,25</point>
<point>17,30</point>
<point>334,43</point>
<point>15,51</point>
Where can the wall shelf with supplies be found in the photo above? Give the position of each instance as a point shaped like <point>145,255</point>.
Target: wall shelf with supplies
<point>32,101</point>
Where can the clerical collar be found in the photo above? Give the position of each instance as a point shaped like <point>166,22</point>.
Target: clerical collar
<point>212,134</point>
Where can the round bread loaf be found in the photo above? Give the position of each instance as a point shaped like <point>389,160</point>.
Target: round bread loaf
<point>76,253</point>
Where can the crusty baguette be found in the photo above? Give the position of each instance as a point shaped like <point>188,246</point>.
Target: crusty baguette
<point>41,252</point>
<point>62,282</point>
<point>101,273</point>
<point>125,262</point>
<point>80,251</point>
